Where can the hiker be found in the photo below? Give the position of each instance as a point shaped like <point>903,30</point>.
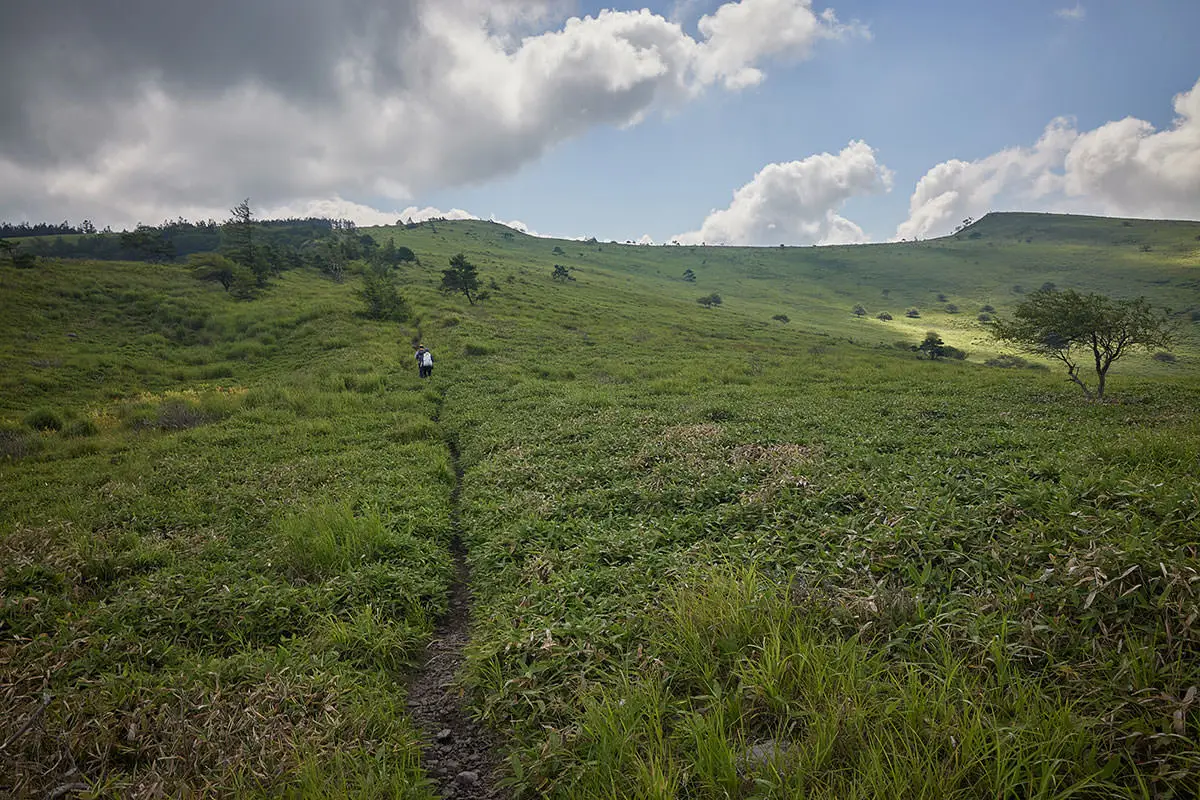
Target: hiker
<point>426,362</point>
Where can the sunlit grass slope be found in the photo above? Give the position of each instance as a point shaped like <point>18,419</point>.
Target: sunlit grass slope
<point>719,556</point>
<point>714,554</point>
<point>949,281</point>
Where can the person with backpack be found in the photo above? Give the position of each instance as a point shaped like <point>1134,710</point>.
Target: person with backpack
<point>426,361</point>
<point>419,354</point>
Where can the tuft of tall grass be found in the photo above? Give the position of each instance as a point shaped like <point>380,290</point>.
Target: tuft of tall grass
<point>372,641</point>
<point>742,693</point>
<point>328,539</point>
<point>17,443</point>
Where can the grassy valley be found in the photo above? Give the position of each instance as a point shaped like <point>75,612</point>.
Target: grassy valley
<point>713,553</point>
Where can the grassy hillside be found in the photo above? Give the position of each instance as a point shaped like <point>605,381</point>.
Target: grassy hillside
<point>713,554</point>
<point>817,288</point>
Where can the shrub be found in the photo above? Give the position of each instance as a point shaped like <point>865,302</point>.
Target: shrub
<point>1018,289</point>
<point>43,419</point>
<point>16,443</point>
<point>984,317</point>
<point>781,318</point>
<point>178,415</point>
<point>1012,362</point>
<point>710,301</point>
<point>1165,357</point>
<point>932,346</point>
<point>81,428</point>
<point>951,308</point>
<point>912,313</point>
<point>883,315</point>
<point>987,309</point>
<point>24,259</point>
<point>941,298</point>
<point>1048,286</point>
<point>860,311</point>
<point>381,297</point>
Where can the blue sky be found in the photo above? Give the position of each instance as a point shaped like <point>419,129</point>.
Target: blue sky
<point>936,80</point>
<point>723,121</point>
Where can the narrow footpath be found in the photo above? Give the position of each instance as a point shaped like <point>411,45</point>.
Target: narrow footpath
<point>460,753</point>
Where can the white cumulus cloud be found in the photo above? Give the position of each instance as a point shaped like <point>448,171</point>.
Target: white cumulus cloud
<point>1075,13</point>
<point>1122,168</point>
<point>366,216</point>
<point>184,109</point>
<point>797,202</point>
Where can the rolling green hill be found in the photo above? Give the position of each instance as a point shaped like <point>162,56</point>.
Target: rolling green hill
<point>818,287</point>
<point>712,554</point>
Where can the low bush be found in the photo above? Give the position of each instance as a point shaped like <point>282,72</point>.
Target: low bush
<point>16,443</point>
<point>1012,362</point>
<point>44,419</point>
<point>80,428</point>
<point>178,415</point>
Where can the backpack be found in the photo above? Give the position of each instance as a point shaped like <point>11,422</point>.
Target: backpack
<point>427,359</point>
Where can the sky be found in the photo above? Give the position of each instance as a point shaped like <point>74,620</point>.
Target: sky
<point>758,122</point>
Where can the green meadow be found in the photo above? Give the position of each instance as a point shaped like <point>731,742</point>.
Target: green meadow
<point>714,554</point>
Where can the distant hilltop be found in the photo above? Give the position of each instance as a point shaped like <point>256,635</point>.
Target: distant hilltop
<point>1017,226</point>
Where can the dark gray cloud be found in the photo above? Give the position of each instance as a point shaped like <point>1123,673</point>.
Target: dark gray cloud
<point>123,110</point>
<point>95,54</point>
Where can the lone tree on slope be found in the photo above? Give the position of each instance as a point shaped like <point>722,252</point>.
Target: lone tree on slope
<point>236,279</point>
<point>932,346</point>
<point>710,301</point>
<point>238,234</point>
<point>461,277</point>
<point>1069,326</point>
